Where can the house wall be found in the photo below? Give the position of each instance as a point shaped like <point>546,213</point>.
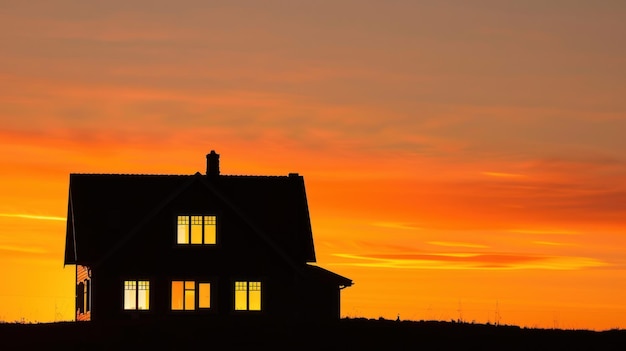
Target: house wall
<point>320,301</point>
<point>241,254</point>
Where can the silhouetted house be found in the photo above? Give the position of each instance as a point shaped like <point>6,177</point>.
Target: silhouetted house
<point>219,246</point>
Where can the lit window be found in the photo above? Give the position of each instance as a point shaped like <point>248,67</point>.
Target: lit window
<point>247,296</point>
<point>197,230</point>
<point>183,230</point>
<point>178,292</point>
<point>184,296</point>
<point>210,229</point>
<point>136,295</point>
<point>204,295</point>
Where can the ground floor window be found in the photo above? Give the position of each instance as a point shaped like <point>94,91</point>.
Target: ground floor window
<point>190,295</point>
<point>247,296</point>
<point>136,295</point>
<point>87,296</point>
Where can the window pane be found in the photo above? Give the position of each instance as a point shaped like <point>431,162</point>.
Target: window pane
<point>209,229</point>
<point>255,296</point>
<point>204,295</point>
<point>183,230</point>
<point>80,293</point>
<point>241,296</point>
<point>196,229</point>
<point>177,295</point>
<point>240,301</point>
<point>143,295</point>
<point>190,299</point>
<point>130,295</point>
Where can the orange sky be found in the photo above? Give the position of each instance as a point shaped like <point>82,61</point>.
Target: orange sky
<point>461,161</point>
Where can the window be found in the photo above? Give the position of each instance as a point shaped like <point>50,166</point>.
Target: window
<point>196,230</point>
<point>136,294</point>
<point>247,296</point>
<point>204,295</point>
<point>80,297</point>
<point>87,295</point>
<point>189,295</point>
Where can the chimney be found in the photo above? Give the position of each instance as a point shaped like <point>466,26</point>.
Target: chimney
<point>212,164</point>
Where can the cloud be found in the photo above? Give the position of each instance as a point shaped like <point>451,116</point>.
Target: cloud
<point>544,231</point>
<point>396,225</point>
<point>502,175</point>
<point>23,249</point>
<point>551,243</point>
<point>458,244</point>
<point>30,216</point>
<point>469,261</point>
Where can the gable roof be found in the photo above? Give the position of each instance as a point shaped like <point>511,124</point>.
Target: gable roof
<point>98,203</point>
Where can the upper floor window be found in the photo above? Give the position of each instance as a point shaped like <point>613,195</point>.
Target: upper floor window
<point>196,230</point>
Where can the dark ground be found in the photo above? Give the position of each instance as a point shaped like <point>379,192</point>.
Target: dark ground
<point>345,334</point>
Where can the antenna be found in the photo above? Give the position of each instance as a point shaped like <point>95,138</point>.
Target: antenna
<point>497,316</point>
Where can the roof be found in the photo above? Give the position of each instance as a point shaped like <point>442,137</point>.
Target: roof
<point>98,202</point>
<point>319,273</point>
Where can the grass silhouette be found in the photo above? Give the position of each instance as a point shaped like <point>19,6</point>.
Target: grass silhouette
<point>344,334</point>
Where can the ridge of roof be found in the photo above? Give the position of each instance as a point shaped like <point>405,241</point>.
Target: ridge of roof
<point>290,175</point>
<point>132,174</point>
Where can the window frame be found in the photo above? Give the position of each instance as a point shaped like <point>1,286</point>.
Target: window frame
<point>87,296</point>
<point>249,283</point>
<point>196,295</point>
<point>207,220</point>
<point>137,285</point>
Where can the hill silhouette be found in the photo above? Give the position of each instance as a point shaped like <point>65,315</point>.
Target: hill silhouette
<point>344,334</point>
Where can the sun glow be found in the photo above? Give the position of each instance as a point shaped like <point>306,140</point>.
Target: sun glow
<point>516,195</point>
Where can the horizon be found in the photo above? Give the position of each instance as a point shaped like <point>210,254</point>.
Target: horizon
<point>461,162</point>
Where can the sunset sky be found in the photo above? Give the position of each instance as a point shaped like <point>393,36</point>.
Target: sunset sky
<point>462,159</point>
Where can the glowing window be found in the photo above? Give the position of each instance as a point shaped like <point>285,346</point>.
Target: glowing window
<point>247,296</point>
<point>197,230</point>
<point>190,295</point>
<point>178,292</point>
<point>183,230</point>
<point>136,295</point>
<point>186,295</point>
<point>210,226</point>
<point>204,295</point>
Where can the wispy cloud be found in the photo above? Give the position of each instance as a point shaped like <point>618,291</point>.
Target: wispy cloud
<point>30,216</point>
<point>396,225</point>
<point>458,244</point>
<point>503,175</point>
<point>551,243</point>
<point>469,261</point>
<point>544,231</point>
<point>23,249</point>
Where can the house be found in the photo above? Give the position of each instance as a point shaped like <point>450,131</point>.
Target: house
<point>207,245</point>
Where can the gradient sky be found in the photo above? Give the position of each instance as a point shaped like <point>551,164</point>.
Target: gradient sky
<point>463,159</point>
